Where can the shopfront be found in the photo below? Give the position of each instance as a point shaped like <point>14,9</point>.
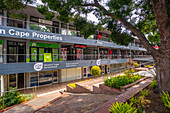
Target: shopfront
<point>44,52</point>
<point>104,53</point>
<point>16,51</point>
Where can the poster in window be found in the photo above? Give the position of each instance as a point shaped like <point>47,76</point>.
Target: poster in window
<point>64,53</point>
<point>79,54</point>
<point>47,57</point>
<point>41,54</point>
<point>33,54</point>
<point>55,54</point>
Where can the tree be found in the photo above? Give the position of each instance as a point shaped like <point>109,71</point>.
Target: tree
<point>14,7</point>
<point>118,14</point>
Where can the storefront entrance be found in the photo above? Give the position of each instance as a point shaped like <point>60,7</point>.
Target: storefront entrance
<point>20,80</point>
<point>15,52</point>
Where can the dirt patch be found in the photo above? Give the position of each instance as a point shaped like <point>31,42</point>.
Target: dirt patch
<point>77,103</point>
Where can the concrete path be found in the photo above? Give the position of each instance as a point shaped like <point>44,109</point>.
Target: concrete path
<point>34,104</point>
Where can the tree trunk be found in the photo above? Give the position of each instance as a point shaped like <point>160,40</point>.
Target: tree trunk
<point>163,73</point>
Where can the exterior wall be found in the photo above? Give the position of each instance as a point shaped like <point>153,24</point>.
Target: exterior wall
<point>70,74</point>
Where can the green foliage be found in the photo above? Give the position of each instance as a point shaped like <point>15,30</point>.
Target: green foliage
<point>44,10</point>
<point>165,98</point>
<point>119,81</point>
<point>14,97</point>
<point>129,72</point>
<point>85,27</point>
<point>122,108</point>
<point>144,92</point>
<point>141,102</point>
<point>95,71</point>
<point>136,64</point>
<point>153,84</point>
<point>14,7</point>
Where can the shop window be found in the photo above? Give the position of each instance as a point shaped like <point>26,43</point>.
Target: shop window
<point>12,80</point>
<point>45,77</point>
<point>16,23</point>
<point>16,51</point>
<point>38,52</point>
<point>33,79</point>
<point>40,24</point>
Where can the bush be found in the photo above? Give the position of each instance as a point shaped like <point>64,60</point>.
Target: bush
<point>153,84</point>
<point>95,71</point>
<point>12,98</point>
<point>128,72</point>
<point>119,81</point>
<point>165,98</point>
<point>141,102</point>
<point>136,64</point>
<point>122,108</point>
<point>73,85</point>
<point>148,66</point>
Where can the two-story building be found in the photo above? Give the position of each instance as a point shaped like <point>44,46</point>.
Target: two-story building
<point>36,51</point>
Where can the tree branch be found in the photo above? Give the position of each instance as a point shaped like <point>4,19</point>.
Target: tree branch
<point>136,31</point>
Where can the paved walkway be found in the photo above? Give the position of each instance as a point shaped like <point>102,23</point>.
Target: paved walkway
<point>45,98</point>
<point>45,95</point>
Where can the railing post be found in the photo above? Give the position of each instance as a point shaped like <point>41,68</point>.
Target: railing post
<point>3,100</point>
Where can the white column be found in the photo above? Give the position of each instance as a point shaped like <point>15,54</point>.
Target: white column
<point>2,84</point>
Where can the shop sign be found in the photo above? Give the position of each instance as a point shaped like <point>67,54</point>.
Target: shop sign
<point>99,36</point>
<point>38,66</point>
<point>98,62</point>
<point>48,45</point>
<point>26,34</point>
<point>80,46</point>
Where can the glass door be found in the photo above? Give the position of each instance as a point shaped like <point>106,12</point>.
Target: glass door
<point>21,51</point>
<point>55,77</point>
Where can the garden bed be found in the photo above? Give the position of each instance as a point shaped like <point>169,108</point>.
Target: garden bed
<point>103,89</point>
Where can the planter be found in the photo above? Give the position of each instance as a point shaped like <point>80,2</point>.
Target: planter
<point>103,89</point>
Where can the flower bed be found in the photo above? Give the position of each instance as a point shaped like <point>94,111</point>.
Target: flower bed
<point>119,81</point>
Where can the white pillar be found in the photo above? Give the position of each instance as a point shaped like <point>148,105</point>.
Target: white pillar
<point>2,84</point>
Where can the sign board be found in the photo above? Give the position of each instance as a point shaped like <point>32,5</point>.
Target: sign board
<point>38,66</point>
<point>98,62</point>
<point>47,57</point>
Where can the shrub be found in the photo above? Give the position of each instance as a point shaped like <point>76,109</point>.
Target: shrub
<point>141,102</point>
<point>95,71</point>
<point>128,72</point>
<point>122,108</point>
<point>117,82</point>
<point>73,85</point>
<point>136,64</point>
<point>153,84</point>
<point>12,98</point>
<point>165,98</point>
<point>148,66</point>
